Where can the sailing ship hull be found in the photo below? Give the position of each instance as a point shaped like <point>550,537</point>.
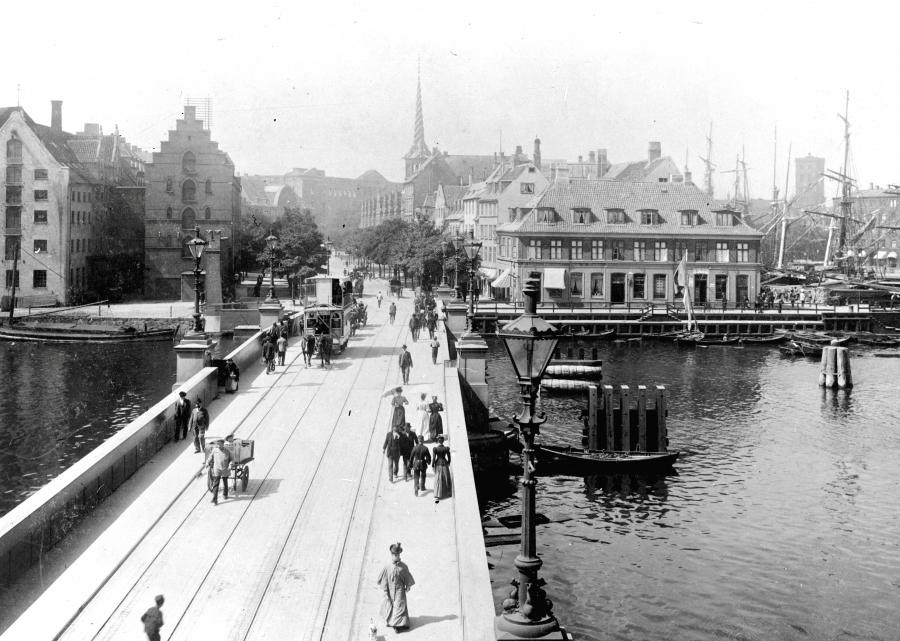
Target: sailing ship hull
<point>575,371</point>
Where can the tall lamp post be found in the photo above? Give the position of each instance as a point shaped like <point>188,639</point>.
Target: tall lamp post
<point>196,246</point>
<point>530,342</point>
<point>272,244</point>
<point>457,243</point>
<point>445,251</point>
<point>472,247</point>
<point>327,245</point>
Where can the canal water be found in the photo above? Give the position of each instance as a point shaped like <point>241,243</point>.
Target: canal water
<point>783,520</point>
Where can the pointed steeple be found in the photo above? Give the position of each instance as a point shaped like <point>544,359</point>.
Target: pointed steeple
<point>419,150</point>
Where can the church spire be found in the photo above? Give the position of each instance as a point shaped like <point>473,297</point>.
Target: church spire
<point>419,150</point>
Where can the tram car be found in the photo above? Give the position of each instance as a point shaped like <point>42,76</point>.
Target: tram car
<point>329,300</point>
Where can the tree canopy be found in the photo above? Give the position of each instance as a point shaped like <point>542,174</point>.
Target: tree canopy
<point>299,250</point>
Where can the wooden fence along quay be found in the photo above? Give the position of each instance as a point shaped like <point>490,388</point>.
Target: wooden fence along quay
<point>622,421</point>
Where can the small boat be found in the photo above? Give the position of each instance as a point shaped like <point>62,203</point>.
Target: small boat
<point>607,334</point>
<point>816,338</point>
<point>568,459</point>
<point>70,333</point>
<point>887,355</point>
<point>574,371</point>
<point>877,340</point>
<point>565,385</point>
<point>699,338</point>
<point>771,339</point>
<point>796,348</point>
<point>590,362</point>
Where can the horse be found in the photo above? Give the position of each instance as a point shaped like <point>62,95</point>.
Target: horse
<point>308,347</point>
<point>323,345</point>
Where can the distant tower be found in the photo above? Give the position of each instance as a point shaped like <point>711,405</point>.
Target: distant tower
<point>809,184</point>
<point>419,151</point>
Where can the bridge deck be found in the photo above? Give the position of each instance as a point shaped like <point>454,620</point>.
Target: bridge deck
<point>297,555</point>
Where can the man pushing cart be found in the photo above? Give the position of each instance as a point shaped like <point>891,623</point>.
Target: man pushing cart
<point>227,458</point>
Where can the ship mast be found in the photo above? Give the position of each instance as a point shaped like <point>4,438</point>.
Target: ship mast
<point>710,167</point>
<point>845,180</point>
<point>784,211</point>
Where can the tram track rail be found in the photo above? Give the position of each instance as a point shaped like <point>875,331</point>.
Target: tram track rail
<point>269,400</point>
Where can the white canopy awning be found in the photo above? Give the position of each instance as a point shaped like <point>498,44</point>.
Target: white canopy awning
<point>504,280</point>
<point>892,255</point>
<point>881,255</point>
<point>488,272</point>
<point>554,278</point>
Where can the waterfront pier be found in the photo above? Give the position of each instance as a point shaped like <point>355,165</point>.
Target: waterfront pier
<point>298,553</point>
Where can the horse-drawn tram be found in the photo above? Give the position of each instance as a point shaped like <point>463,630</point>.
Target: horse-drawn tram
<point>329,301</point>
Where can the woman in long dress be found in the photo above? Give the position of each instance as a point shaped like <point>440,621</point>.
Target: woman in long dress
<point>435,423</point>
<point>422,419</point>
<point>443,483</point>
<point>395,581</point>
<point>398,417</point>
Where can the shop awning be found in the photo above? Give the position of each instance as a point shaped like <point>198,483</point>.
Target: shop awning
<point>554,278</point>
<point>881,255</point>
<point>892,255</point>
<point>504,280</point>
<point>488,272</point>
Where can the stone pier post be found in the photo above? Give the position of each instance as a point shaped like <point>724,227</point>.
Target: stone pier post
<point>213,257</point>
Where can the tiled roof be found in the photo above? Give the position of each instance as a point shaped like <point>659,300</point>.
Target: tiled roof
<point>669,199</point>
<point>453,194</point>
<point>85,149</point>
<point>479,167</point>
<point>429,200</point>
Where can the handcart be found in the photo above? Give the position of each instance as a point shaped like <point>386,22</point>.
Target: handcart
<point>241,451</point>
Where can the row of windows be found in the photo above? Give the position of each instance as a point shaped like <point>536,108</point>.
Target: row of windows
<point>38,278</point>
<point>188,189</point>
<point>657,251</point>
<point>584,216</point>
<point>14,195</point>
<point>80,217</point>
<point>14,174</point>
<point>79,245</point>
<point>658,285</point>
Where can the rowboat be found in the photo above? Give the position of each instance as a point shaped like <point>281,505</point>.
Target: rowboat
<point>575,461</point>
<point>796,348</point>
<point>877,340</point>
<point>569,332</point>
<point>771,339</point>
<point>70,333</point>
<point>695,338</point>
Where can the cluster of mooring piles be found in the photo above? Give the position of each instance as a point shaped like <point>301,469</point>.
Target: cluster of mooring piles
<point>835,367</point>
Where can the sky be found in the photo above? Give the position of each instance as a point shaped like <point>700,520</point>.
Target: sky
<point>332,84</point>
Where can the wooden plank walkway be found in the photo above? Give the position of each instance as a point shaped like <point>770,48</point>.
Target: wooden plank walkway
<point>297,555</point>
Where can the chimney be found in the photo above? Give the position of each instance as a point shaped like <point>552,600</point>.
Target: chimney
<point>654,152</point>
<point>56,115</point>
<point>91,129</point>
<point>537,153</point>
<point>190,112</point>
<point>688,177</point>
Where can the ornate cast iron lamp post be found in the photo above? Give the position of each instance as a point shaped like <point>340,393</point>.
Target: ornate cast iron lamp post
<point>196,245</point>
<point>272,243</point>
<point>472,248</point>
<point>530,342</point>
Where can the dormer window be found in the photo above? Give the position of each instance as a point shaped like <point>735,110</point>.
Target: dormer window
<point>615,216</point>
<point>581,215</point>
<point>724,218</point>
<point>689,217</point>
<point>649,217</point>
<point>526,188</point>
<point>546,216</point>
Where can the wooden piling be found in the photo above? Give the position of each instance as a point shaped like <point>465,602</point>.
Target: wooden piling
<point>592,418</point>
<point>642,418</point>
<point>661,412</point>
<point>610,416</point>
<point>835,367</point>
<point>625,392</point>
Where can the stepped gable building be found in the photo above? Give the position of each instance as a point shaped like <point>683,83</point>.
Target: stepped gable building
<point>73,206</point>
<point>621,242</point>
<point>190,183</point>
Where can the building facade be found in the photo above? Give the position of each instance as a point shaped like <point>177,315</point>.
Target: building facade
<point>190,183</point>
<point>620,243</point>
<point>72,205</point>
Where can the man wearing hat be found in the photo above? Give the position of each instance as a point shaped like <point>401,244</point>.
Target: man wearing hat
<point>405,364</point>
<point>199,423</point>
<point>182,416</point>
<point>218,461</point>
<point>153,619</point>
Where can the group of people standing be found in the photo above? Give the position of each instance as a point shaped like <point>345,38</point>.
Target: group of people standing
<point>403,443</point>
<point>275,343</point>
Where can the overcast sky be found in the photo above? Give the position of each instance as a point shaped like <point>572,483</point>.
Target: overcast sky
<point>332,84</point>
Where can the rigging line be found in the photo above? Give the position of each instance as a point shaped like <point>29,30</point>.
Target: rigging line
<point>42,263</point>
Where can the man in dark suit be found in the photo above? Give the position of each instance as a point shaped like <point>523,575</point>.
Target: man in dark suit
<point>405,362</point>
<point>420,459</point>
<point>407,441</point>
<point>391,449</point>
<point>182,416</point>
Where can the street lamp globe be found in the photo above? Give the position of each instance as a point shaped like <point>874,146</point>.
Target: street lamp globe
<point>472,247</point>
<point>272,241</point>
<point>196,247</point>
